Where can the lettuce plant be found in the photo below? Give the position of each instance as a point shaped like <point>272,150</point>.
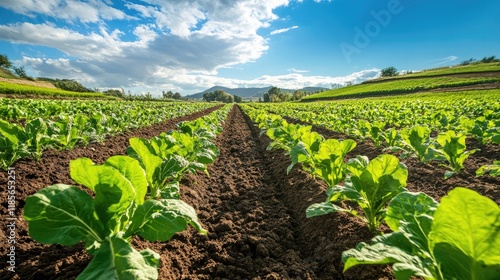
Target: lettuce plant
<point>107,222</point>
<point>327,160</point>
<point>492,169</point>
<point>13,144</point>
<point>452,148</point>
<point>371,184</point>
<point>456,239</point>
<point>418,141</point>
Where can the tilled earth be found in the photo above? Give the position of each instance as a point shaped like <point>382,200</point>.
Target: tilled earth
<point>254,212</point>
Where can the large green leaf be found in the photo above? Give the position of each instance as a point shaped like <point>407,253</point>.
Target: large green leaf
<point>13,132</point>
<point>383,176</point>
<point>460,239</point>
<point>465,235</point>
<point>81,171</point>
<point>139,149</point>
<point>117,259</point>
<point>159,220</point>
<point>114,193</point>
<point>133,172</point>
<point>411,213</point>
<point>386,249</point>
<point>62,214</point>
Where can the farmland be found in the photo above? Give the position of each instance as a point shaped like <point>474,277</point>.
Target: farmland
<point>456,78</point>
<point>251,173</point>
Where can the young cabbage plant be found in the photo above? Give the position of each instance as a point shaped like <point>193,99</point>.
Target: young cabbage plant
<point>452,148</point>
<point>64,132</point>
<point>106,223</point>
<point>329,162</point>
<point>456,239</point>
<point>376,129</point>
<point>390,136</point>
<point>37,138</point>
<point>162,173</point>
<point>305,150</point>
<point>371,184</point>
<point>13,143</point>
<point>418,141</point>
<point>492,169</point>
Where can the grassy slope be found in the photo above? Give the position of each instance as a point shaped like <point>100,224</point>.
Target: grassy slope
<point>15,89</point>
<point>33,91</point>
<point>6,74</point>
<point>421,81</point>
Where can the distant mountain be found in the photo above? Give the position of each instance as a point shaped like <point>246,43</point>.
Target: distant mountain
<point>249,93</point>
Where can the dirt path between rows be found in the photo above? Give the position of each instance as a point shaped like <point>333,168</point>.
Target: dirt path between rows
<point>255,215</point>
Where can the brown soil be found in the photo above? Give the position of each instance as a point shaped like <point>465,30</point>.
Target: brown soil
<point>253,210</point>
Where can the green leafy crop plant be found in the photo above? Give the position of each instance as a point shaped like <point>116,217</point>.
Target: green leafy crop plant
<point>452,148</point>
<point>458,238</point>
<point>492,169</point>
<point>106,223</point>
<point>370,184</point>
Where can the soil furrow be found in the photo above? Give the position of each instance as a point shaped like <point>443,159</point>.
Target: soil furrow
<point>251,234</point>
<point>255,214</point>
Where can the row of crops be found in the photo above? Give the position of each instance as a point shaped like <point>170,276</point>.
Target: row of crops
<point>456,238</point>
<point>28,127</point>
<point>399,86</point>
<point>433,129</point>
<point>137,194</point>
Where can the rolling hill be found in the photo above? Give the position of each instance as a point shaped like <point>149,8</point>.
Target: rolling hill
<point>248,93</point>
<point>457,78</point>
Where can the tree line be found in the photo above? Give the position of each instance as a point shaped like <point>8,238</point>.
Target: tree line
<point>221,96</point>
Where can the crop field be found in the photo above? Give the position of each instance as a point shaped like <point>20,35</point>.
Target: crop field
<point>457,78</point>
<point>361,189</point>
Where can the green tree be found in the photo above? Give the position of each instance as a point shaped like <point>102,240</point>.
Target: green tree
<point>266,97</point>
<point>21,73</point>
<point>389,72</point>
<point>177,95</point>
<point>218,95</point>
<point>237,99</point>
<point>4,61</point>
<point>169,94</point>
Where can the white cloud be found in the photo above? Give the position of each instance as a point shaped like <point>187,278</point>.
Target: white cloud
<point>178,45</point>
<point>283,30</point>
<point>445,60</point>
<point>90,11</point>
<point>297,71</point>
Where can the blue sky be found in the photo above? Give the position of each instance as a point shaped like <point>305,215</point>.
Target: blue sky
<point>191,45</point>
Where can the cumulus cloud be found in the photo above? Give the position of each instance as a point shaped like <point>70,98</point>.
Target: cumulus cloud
<point>171,45</point>
<point>195,35</point>
<point>90,11</point>
<point>283,30</point>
